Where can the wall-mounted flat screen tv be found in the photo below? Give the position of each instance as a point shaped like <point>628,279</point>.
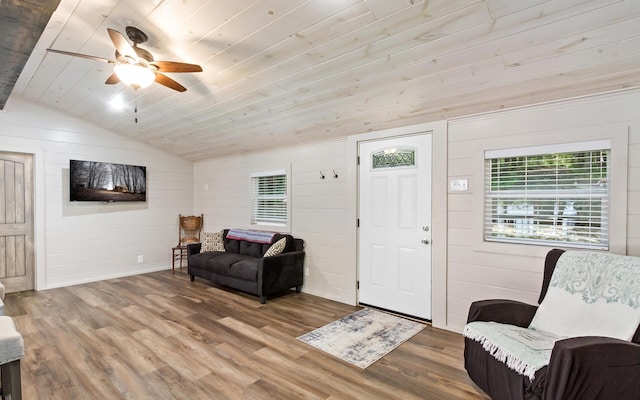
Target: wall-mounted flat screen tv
<point>102,181</point>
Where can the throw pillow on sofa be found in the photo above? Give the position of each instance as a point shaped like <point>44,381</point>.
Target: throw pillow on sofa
<point>276,248</point>
<point>212,241</point>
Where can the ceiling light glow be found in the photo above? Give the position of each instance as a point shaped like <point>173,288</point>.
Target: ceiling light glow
<point>117,103</point>
<point>134,75</point>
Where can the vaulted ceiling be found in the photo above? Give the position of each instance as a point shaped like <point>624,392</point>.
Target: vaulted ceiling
<point>21,24</point>
<point>282,72</point>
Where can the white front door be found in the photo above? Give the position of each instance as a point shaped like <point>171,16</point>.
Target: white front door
<point>394,253</point>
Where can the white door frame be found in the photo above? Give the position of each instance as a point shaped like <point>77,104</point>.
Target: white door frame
<point>438,210</point>
<point>394,232</point>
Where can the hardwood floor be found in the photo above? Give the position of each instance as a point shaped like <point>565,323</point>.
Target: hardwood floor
<point>159,336</point>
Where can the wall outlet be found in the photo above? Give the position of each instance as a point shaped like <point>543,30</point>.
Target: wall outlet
<point>306,272</point>
<point>140,259</point>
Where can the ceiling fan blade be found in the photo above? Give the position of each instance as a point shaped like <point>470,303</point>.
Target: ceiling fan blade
<point>122,45</point>
<point>112,79</point>
<point>172,66</point>
<point>168,82</point>
<point>94,58</point>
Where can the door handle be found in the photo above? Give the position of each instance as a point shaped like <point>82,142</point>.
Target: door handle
<point>425,241</point>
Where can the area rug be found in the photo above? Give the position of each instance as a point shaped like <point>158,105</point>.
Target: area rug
<point>363,337</point>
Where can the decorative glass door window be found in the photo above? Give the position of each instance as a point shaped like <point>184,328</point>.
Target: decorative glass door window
<point>393,158</point>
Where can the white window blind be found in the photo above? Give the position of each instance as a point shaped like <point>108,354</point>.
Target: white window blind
<point>269,198</point>
<point>549,198</point>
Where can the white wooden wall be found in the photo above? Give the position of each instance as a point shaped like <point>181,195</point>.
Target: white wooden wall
<point>80,242</point>
<point>318,206</point>
<point>474,270</point>
<point>478,270</point>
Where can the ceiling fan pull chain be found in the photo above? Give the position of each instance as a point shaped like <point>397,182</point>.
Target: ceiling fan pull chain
<point>135,107</point>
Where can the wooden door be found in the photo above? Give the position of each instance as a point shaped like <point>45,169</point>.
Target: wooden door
<point>16,222</point>
<point>395,216</point>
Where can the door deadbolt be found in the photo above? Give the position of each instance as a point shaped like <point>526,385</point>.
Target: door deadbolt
<point>425,241</point>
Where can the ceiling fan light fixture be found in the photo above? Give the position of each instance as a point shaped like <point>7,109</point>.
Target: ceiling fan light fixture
<point>135,66</point>
<point>136,76</point>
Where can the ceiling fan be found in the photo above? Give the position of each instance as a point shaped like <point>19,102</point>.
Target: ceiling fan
<point>135,66</point>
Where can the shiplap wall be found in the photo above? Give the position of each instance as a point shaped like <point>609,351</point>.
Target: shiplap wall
<point>478,270</point>
<point>318,206</point>
<point>80,242</point>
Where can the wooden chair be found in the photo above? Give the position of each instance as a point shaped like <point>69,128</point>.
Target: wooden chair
<point>189,230</point>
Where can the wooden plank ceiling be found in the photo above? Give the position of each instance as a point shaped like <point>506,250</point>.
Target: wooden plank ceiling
<point>21,23</point>
<point>280,72</point>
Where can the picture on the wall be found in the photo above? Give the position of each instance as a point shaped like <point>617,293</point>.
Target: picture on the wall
<point>107,182</point>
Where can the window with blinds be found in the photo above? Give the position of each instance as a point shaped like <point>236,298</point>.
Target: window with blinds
<point>269,198</point>
<point>549,195</point>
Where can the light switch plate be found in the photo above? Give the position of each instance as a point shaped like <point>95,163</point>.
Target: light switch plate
<point>459,185</point>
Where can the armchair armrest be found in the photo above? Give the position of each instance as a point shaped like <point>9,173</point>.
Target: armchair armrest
<point>593,368</point>
<point>193,248</point>
<point>502,311</point>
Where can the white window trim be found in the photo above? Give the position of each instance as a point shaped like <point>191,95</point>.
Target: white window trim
<point>286,227</point>
<point>549,149</point>
<point>619,137</point>
<point>536,195</point>
<point>269,173</point>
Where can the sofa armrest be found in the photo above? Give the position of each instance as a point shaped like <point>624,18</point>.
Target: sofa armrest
<point>193,248</point>
<point>502,311</point>
<point>593,368</point>
<point>280,272</point>
<point>292,258</point>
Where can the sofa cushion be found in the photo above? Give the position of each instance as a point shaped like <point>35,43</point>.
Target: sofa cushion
<point>289,246</point>
<point>246,269</point>
<point>212,241</point>
<point>251,248</point>
<point>222,262</point>
<point>276,248</point>
<point>230,245</point>
<point>200,260</point>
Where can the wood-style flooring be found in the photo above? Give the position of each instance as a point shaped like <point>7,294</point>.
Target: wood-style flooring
<point>160,336</point>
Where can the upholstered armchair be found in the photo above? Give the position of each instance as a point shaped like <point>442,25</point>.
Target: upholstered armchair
<point>584,335</point>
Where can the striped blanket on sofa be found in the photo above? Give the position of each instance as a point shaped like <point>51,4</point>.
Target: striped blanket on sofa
<point>251,235</point>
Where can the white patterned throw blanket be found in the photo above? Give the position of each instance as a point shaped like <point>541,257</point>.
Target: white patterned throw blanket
<point>521,349</point>
<point>251,235</point>
<point>590,294</point>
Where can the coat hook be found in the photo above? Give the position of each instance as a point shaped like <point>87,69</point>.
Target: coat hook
<point>334,174</point>
<point>321,175</point>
